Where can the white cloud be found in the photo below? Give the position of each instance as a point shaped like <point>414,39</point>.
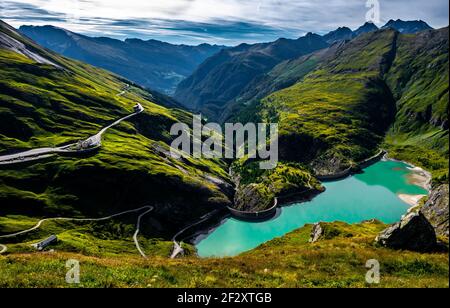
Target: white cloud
<point>290,16</point>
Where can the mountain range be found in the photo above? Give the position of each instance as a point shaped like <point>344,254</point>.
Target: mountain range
<point>223,76</point>
<point>338,99</point>
<point>221,82</point>
<point>407,27</point>
<point>162,66</point>
<point>265,82</point>
<point>334,102</point>
<point>152,64</point>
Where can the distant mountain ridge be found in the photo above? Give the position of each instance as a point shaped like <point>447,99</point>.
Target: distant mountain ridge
<point>153,64</point>
<point>201,77</point>
<point>407,27</point>
<point>222,77</point>
<point>367,27</point>
<point>342,33</point>
<point>345,33</point>
<point>231,77</point>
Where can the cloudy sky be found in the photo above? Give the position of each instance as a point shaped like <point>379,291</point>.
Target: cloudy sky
<point>215,21</point>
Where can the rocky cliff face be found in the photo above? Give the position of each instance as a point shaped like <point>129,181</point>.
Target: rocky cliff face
<point>436,210</point>
<point>253,198</point>
<point>316,233</point>
<point>418,231</point>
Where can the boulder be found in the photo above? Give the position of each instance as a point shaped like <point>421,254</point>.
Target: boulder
<point>436,210</point>
<point>414,232</point>
<point>316,233</point>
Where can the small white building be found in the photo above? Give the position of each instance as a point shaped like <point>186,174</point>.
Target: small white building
<point>45,243</point>
<point>138,108</point>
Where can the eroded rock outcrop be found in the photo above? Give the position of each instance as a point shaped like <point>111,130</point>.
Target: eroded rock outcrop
<point>253,197</point>
<point>316,233</point>
<point>436,210</point>
<point>414,232</point>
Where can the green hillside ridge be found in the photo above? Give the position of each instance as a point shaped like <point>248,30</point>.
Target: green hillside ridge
<point>48,105</point>
<point>342,104</point>
<point>257,189</point>
<point>338,113</point>
<point>419,80</point>
<point>338,260</point>
<point>111,238</point>
<point>221,78</point>
<point>282,76</point>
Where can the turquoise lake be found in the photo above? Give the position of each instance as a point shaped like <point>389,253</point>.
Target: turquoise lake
<point>369,195</point>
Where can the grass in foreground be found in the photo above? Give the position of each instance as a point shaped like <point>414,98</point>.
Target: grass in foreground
<point>336,261</point>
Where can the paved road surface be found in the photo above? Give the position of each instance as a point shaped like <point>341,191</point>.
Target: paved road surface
<point>40,153</point>
<point>177,249</point>
<point>127,88</point>
<point>138,226</point>
<point>35,154</point>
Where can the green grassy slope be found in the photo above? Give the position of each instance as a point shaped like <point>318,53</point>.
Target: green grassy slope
<point>47,105</point>
<point>110,238</point>
<point>338,105</point>
<point>339,112</point>
<point>419,81</point>
<point>338,260</point>
<point>222,77</point>
<point>282,76</point>
<point>342,103</point>
<point>258,188</point>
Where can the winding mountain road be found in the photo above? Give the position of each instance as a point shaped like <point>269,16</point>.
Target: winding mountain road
<point>39,224</point>
<point>138,226</point>
<point>87,145</point>
<point>177,249</point>
<point>126,89</point>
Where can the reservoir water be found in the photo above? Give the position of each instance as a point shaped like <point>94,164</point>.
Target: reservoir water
<point>369,195</point>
